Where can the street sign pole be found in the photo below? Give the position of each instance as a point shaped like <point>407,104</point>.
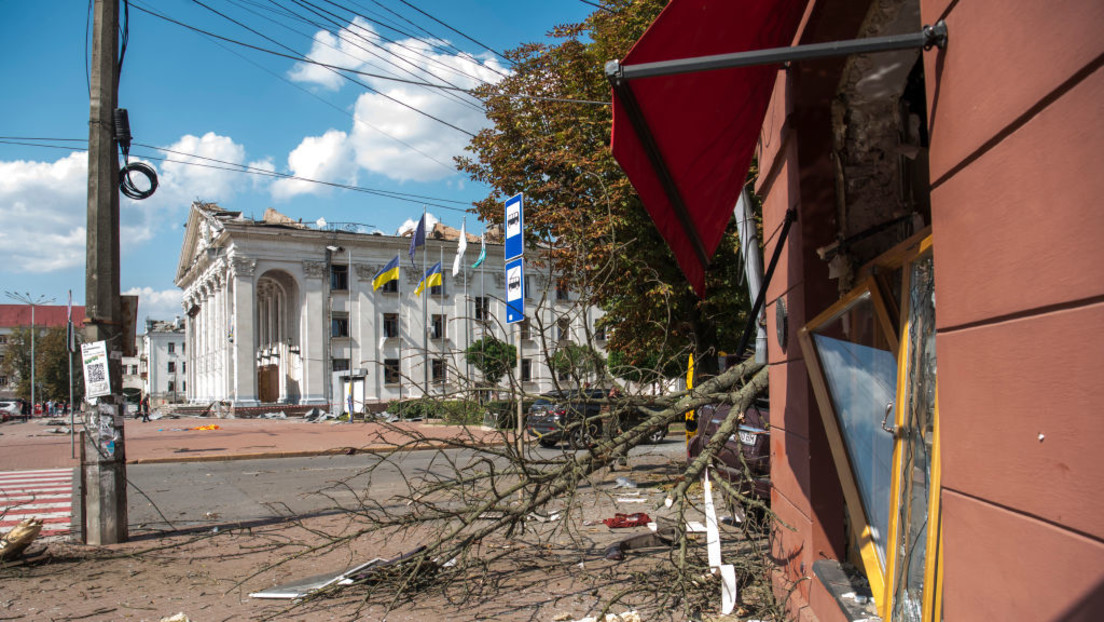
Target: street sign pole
<point>514,249</point>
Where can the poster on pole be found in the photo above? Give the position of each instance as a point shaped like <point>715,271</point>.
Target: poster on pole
<point>515,290</point>
<point>97,382</point>
<point>515,223</point>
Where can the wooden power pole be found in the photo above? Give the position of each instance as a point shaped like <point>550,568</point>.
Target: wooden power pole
<point>103,469</point>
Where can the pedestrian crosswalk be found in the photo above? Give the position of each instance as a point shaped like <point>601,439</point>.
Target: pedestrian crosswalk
<point>46,494</point>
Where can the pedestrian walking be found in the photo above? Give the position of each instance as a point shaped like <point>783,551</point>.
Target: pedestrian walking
<point>143,408</point>
<point>25,410</point>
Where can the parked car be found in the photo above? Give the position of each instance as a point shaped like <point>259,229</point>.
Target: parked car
<point>559,416</point>
<point>10,410</point>
<point>751,441</point>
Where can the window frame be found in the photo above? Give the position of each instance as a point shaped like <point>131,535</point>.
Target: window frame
<point>391,320</point>
<point>392,367</point>
<point>339,277</point>
<point>892,318</point>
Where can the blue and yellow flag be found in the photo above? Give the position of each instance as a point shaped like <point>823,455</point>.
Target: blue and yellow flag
<point>432,279</point>
<point>389,273</point>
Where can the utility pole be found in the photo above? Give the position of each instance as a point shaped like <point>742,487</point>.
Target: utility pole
<point>104,468</point>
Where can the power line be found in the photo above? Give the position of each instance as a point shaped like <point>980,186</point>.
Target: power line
<point>241,168</point>
<point>267,38</point>
<point>483,45</point>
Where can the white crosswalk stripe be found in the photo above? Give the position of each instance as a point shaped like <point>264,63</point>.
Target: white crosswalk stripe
<point>44,494</point>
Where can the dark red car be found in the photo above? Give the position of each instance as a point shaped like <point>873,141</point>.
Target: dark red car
<point>752,441</point>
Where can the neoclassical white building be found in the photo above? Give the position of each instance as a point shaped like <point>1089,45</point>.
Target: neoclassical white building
<point>278,312</point>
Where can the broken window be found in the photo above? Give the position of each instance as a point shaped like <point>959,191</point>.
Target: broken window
<point>339,277</point>
<point>482,308</point>
<point>439,371</point>
<point>524,329</point>
<point>884,433</point>
<point>339,326</point>
<point>390,325</point>
<point>391,373</point>
<point>437,326</point>
<point>526,370</point>
<point>341,365</point>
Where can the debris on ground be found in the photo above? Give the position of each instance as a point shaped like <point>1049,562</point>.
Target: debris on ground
<point>274,415</point>
<point>309,585</point>
<point>663,537</point>
<point>180,617</point>
<point>639,519</point>
<point>19,538</point>
<point>624,482</point>
<point>628,616</point>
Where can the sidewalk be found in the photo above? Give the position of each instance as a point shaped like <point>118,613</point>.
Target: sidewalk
<point>36,445</point>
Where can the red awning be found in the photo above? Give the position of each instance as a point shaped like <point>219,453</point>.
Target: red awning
<point>695,133</point>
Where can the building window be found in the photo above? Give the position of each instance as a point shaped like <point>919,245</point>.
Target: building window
<point>390,325</point>
<point>3,339</point>
<point>523,328</point>
<point>526,370</point>
<point>183,347</point>
<point>3,381</point>
<point>184,386</point>
<point>482,309</point>
<point>563,329</point>
<point>437,327</point>
<point>339,277</point>
<point>341,364</point>
<point>183,367</point>
<point>391,373</point>
<point>172,366</point>
<point>439,371</point>
<point>528,290</point>
<point>599,332</point>
<point>339,326</point>
<point>171,387</point>
<point>172,347</point>
<point>562,293</point>
<point>390,287</point>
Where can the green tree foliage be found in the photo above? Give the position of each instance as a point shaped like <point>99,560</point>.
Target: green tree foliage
<point>492,357</point>
<point>51,365</point>
<point>580,204</point>
<point>581,363</point>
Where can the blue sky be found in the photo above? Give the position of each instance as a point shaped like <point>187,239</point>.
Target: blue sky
<point>190,94</point>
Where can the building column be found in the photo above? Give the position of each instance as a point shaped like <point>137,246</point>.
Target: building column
<point>244,349</point>
<point>315,333</point>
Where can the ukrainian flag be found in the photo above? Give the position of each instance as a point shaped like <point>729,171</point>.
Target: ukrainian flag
<point>432,279</point>
<point>389,273</point>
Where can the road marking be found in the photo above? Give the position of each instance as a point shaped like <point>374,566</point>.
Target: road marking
<point>43,494</point>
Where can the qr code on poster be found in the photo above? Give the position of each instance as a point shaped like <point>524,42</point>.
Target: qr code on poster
<point>97,373</point>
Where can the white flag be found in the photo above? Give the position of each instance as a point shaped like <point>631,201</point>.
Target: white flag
<point>463,246</point>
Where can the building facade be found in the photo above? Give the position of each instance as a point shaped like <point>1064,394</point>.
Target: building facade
<point>163,362</point>
<point>282,313</point>
<point>933,320</point>
<point>13,316</point>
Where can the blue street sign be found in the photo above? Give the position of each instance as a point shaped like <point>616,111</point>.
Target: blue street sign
<point>515,290</point>
<point>515,224</point>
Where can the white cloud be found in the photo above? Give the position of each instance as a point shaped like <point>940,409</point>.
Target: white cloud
<point>325,158</point>
<point>186,178</point>
<point>410,224</point>
<point>43,205</point>
<point>43,208</point>
<point>390,135</point>
<point>157,305</point>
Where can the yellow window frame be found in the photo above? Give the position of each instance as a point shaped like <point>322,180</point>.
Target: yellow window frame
<point>891,316</point>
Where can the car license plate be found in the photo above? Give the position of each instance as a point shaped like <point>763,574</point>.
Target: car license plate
<point>747,438</point>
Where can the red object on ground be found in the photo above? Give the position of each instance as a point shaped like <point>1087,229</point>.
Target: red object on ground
<point>627,520</point>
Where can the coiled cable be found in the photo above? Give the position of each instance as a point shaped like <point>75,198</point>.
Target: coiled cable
<point>126,185</point>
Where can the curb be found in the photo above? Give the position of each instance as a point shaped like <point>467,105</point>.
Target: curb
<point>333,451</point>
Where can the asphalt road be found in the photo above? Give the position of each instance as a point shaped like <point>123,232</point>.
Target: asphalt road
<point>192,495</point>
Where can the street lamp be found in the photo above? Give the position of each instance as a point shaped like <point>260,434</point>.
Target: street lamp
<point>26,298</point>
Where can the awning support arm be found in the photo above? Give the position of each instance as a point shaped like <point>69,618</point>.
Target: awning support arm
<point>928,37</point>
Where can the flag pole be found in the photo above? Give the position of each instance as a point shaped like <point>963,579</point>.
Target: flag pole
<point>69,347</point>
<point>425,317</point>
<point>467,307</point>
